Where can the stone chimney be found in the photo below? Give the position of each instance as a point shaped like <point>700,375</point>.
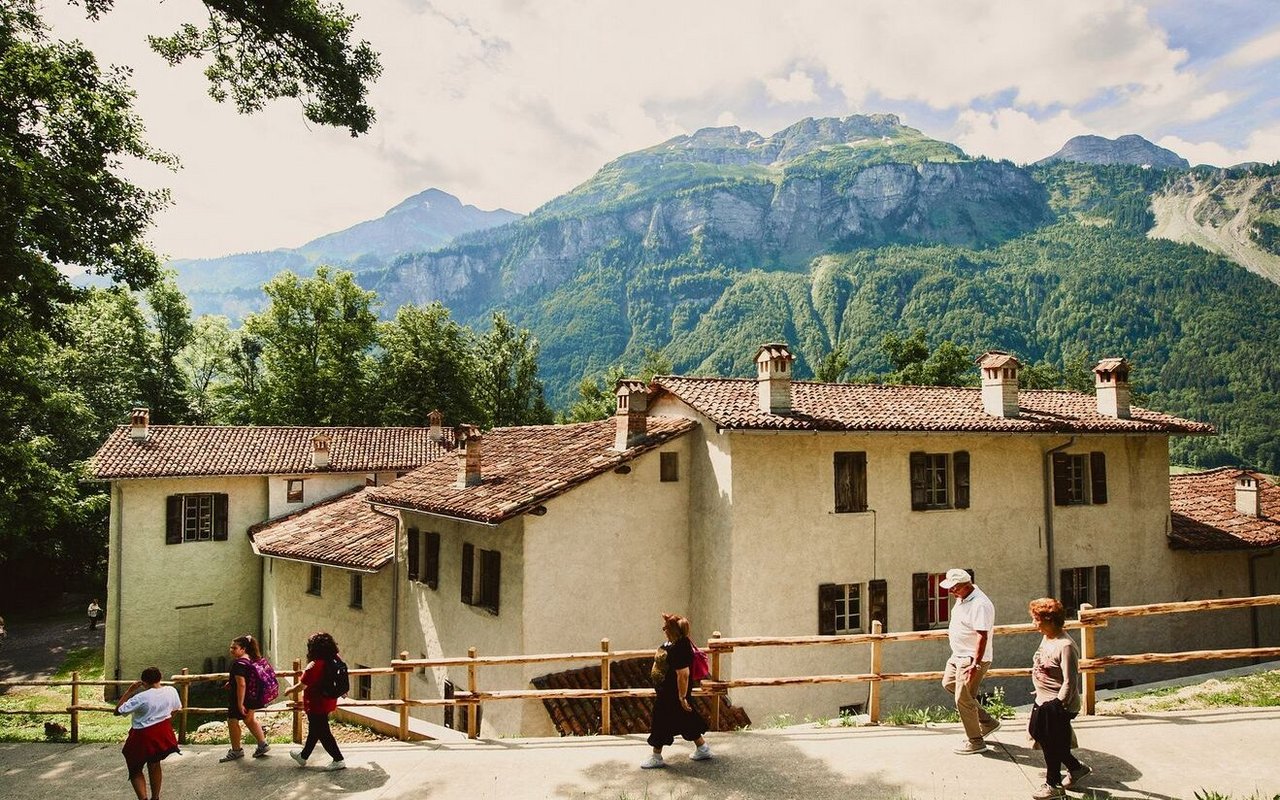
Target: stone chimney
<point>436,420</point>
<point>468,440</point>
<point>320,451</point>
<point>140,424</point>
<point>999,383</point>
<point>1111,379</point>
<point>773,378</point>
<point>1248,498</point>
<point>632,414</point>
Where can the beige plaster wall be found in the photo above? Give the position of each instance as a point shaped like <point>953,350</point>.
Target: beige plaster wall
<point>291,615</point>
<point>315,487</point>
<point>176,605</point>
<point>436,623</point>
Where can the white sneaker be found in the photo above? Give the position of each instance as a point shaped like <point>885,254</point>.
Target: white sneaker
<point>701,753</point>
<point>972,747</point>
<point>296,755</point>
<point>333,766</point>
<point>654,762</point>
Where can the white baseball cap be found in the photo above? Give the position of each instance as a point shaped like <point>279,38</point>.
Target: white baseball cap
<point>955,575</point>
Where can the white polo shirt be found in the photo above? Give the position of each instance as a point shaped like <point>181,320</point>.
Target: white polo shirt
<point>151,706</point>
<point>968,616</point>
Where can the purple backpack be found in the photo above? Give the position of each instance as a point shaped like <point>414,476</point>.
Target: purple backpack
<point>264,688</point>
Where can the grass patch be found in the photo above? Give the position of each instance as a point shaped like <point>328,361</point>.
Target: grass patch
<point>1261,690</point>
<point>994,703</point>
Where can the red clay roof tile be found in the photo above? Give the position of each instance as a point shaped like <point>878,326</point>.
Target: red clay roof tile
<point>1204,516</point>
<point>342,531</point>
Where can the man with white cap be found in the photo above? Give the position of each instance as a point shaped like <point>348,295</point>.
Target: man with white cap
<point>969,629</point>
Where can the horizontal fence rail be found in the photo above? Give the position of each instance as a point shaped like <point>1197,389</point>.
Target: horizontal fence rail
<point>714,687</point>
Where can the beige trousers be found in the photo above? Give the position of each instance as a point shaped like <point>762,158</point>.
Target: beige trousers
<point>972,714</point>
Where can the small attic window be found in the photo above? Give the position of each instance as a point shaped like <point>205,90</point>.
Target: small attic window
<point>293,491</point>
<point>669,467</point>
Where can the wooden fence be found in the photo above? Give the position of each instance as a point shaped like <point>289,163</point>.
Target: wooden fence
<point>1091,664</point>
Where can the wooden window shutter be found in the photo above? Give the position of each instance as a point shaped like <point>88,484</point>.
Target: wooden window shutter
<point>173,519</point>
<point>827,608</point>
<point>1061,485</point>
<point>1102,576</point>
<point>468,571</point>
<point>432,576</point>
<point>878,602</point>
<point>220,517</point>
<point>1098,476</point>
<point>411,557</point>
<point>1069,591</point>
<point>843,466</point>
<point>960,477</point>
<point>860,481</point>
<point>920,601</point>
<point>492,579</point>
<point>917,482</point>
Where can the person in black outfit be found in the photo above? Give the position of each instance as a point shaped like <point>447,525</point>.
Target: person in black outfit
<point>673,714</point>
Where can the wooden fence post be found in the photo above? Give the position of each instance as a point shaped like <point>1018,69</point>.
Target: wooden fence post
<point>605,725</point>
<point>873,691</point>
<point>186,701</point>
<point>403,674</point>
<point>297,704</point>
<point>1088,649</point>
<point>715,676</point>
<point>473,709</point>
<point>75,706</point>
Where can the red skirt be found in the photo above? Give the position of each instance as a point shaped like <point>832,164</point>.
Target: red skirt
<point>149,745</point>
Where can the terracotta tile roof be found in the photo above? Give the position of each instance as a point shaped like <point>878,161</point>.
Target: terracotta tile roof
<point>626,714</point>
<point>186,450</point>
<point>732,403</point>
<point>342,531</point>
<point>994,359</point>
<point>1110,364</point>
<point>523,467</point>
<point>1203,512</point>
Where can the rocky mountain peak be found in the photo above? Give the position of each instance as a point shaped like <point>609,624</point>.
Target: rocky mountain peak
<point>1128,149</point>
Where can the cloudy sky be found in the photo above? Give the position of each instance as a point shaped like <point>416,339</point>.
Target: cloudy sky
<point>508,104</point>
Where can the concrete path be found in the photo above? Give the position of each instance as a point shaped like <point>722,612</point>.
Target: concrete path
<point>37,648</point>
<point>1160,756</point>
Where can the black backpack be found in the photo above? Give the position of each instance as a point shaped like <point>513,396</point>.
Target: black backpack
<point>336,682</point>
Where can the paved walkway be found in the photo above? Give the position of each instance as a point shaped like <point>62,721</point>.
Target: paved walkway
<point>1160,756</point>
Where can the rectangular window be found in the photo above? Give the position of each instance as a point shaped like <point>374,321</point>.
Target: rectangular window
<point>195,518</point>
<point>931,607</point>
<point>293,491</point>
<point>851,481</point>
<point>357,590</point>
<point>669,466</point>
<point>1079,479</point>
<point>364,684</point>
<point>843,602</point>
<point>939,480</point>
<point>1080,585</point>
<point>481,577</point>
<point>424,557</point>
<point>314,582</point>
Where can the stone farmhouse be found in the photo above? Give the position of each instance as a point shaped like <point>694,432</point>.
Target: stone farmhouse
<point>760,506</point>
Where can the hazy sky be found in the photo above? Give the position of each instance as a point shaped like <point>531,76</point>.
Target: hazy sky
<point>508,104</point>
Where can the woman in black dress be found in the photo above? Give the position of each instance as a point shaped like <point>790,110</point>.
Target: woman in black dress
<point>673,714</point>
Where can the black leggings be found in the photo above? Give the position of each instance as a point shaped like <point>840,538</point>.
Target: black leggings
<point>318,731</point>
<point>1051,727</point>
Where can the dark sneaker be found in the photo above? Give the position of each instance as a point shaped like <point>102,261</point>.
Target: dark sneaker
<point>1075,776</point>
<point>261,750</point>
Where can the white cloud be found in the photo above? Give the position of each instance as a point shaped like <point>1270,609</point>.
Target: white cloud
<point>1015,135</point>
<point>1256,51</point>
<point>795,88</point>
<point>1262,145</point>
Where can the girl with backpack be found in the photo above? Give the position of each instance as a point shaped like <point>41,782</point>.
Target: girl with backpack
<point>673,712</point>
<point>323,681</point>
<point>244,696</point>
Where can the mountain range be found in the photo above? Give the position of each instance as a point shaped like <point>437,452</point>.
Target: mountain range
<point>832,233</point>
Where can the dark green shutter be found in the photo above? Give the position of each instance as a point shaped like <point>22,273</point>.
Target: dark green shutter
<point>1103,578</point>
<point>878,602</point>
<point>920,601</point>
<point>492,579</point>
<point>960,466</point>
<point>827,608</point>
<point>219,517</point>
<point>917,482</point>
<point>1061,486</point>
<point>411,558</point>
<point>468,571</point>
<point>1098,476</point>
<point>432,576</point>
<point>173,519</point>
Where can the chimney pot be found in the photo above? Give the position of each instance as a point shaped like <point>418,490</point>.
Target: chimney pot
<point>320,451</point>
<point>1248,498</point>
<point>436,420</point>
<point>140,424</point>
<point>1111,380</point>
<point>773,378</point>
<point>632,415</point>
<point>468,439</point>
<point>999,383</point>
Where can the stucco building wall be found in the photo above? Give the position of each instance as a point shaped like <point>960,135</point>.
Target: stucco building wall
<point>315,487</point>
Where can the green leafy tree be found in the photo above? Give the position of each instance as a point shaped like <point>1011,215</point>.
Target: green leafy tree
<point>107,356</point>
<point>166,387</point>
<point>508,388</point>
<point>427,362</point>
<point>948,364</point>
<point>832,367</point>
<point>206,364</point>
<point>316,334</point>
<point>596,398</point>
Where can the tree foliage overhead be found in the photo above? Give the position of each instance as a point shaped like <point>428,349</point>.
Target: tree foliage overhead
<point>261,51</point>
